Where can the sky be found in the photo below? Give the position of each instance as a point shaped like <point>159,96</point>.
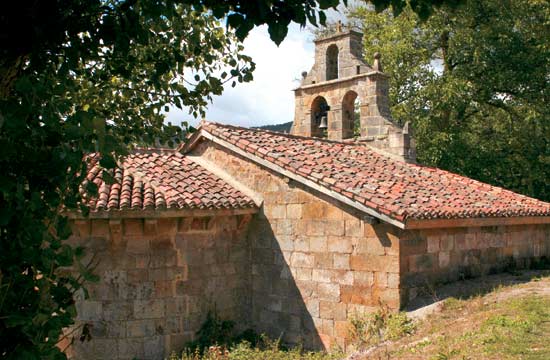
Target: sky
<point>268,99</point>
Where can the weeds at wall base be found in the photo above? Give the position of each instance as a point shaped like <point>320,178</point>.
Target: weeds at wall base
<point>216,341</point>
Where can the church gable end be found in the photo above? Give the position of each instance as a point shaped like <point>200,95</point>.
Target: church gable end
<point>316,260</point>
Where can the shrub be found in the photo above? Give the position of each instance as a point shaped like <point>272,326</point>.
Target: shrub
<point>370,329</point>
<point>216,341</point>
<point>215,332</point>
<point>264,349</point>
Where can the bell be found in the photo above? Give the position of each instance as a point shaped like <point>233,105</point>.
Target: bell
<point>323,124</point>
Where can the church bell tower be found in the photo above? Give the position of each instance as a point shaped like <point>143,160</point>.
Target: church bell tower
<point>344,98</point>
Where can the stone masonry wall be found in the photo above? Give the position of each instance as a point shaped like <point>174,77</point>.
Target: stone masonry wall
<point>435,256</point>
<point>350,57</point>
<point>314,262</point>
<point>159,278</point>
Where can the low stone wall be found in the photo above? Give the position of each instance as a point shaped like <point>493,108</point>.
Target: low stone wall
<point>159,279</point>
<point>444,255</point>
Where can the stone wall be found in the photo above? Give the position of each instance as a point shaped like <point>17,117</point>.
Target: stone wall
<point>434,256</point>
<point>350,57</point>
<point>314,262</point>
<point>159,279</point>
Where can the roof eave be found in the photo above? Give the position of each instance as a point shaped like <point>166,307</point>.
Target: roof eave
<point>155,214</point>
<point>191,141</point>
<point>405,224</point>
<point>476,222</point>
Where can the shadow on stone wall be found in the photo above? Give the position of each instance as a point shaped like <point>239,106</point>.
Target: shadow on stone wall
<point>279,307</point>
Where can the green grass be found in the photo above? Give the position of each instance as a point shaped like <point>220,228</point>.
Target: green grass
<point>508,322</point>
<point>513,329</point>
<point>520,329</point>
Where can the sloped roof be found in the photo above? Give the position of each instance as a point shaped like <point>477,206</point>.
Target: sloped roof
<point>390,188</point>
<point>154,179</point>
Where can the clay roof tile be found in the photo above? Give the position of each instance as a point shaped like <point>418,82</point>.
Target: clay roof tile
<point>397,189</point>
<point>155,179</point>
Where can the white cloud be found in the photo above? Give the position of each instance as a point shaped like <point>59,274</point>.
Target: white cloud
<point>269,98</point>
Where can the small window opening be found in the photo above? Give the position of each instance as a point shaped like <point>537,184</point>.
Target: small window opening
<point>350,115</point>
<point>332,62</point>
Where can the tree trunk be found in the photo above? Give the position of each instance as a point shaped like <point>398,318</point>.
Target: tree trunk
<point>444,44</point>
<point>9,71</point>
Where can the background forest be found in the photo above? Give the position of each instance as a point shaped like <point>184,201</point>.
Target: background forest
<point>475,83</point>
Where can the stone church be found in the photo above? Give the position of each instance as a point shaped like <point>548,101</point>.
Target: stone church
<point>289,234</point>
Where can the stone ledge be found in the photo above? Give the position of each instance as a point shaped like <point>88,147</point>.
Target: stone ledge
<point>452,223</point>
<point>341,80</point>
<point>168,213</point>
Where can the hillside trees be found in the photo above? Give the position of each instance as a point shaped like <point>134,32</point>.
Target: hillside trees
<point>475,83</point>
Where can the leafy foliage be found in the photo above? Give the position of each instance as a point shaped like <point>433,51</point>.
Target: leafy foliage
<point>98,83</point>
<point>473,81</point>
<point>218,332</point>
<point>216,341</point>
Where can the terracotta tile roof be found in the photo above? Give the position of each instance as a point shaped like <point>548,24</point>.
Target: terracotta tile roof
<point>396,189</point>
<point>152,179</point>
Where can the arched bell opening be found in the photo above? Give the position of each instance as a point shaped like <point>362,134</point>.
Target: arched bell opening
<point>350,115</point>
<point>319,117</point>
<point>332,62</point>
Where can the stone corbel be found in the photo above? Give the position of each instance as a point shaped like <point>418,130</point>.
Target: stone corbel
<point>242,221</point>
<point>150,226</point>
<point>83,228</point>
<point>371,220</point>
<point>184,224</point>
<point>115,228</point>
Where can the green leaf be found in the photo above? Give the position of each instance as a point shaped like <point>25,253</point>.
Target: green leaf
<point>107,161</point>
<point>326,4</point>
<point>107,177</point>
<point>5,216</point>
<point>322,18</point>
<point>65,256</point>
<point>91,188</point>
<point>15,320</point>
<point>277,32</point>
<point>24,85</point>
<point>235,20</point>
